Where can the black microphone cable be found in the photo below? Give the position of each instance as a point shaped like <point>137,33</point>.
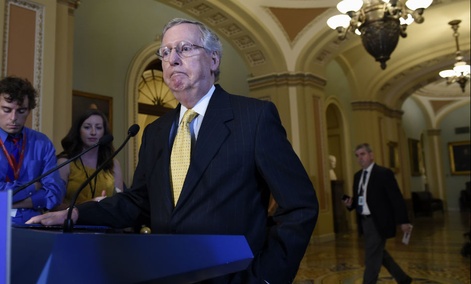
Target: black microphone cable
<point>103,140</point>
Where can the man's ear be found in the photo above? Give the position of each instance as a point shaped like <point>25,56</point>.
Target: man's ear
<point>214,61</point>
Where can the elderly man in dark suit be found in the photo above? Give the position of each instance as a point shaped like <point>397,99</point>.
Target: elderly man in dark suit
<point>240,156</point>
<point>380,208</point>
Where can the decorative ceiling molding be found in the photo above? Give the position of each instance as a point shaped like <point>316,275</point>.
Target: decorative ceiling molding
<point>242,23</point>
<point>224,23</point>
<point>72,4</point>
<point>376,106</point>
<point>324,56</point>
<point>434,132</point>
<point>430,84</point>
<point>408,73</point>
<point>290,79</point>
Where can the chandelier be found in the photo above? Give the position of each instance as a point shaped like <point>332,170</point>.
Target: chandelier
<point>378,22</point>
<point>460,72</point>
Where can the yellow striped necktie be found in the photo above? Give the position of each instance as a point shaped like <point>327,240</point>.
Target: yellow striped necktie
<point>181,153</point>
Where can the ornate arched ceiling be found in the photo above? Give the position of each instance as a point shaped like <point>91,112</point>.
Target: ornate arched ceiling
<point>244,31</point>
<point>291,36</point>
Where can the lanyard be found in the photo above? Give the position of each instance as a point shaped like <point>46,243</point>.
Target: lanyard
<point>362,186</point>
<point>13,164</point>
<point>92,188</point>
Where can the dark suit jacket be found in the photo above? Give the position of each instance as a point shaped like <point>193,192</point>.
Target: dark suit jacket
<point>240,157</point>
<point>387,206</point>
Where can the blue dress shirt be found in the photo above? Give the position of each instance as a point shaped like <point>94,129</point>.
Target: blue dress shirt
<point>39,157</point>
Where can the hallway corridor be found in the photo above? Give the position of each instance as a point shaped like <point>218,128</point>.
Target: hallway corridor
<point>432,256</point>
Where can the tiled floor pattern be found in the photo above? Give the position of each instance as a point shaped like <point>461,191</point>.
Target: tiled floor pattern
<point>432,256</point>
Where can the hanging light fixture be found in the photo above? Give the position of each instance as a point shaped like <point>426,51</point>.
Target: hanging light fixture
<point>378,22</point>
<point>460,72</point>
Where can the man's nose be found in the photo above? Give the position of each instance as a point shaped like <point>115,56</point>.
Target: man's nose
<point>13,116</point>
<point>174,57</point>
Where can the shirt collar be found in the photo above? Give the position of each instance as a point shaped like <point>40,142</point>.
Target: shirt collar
<point>200,106</point>
<point>4,135</point>
<point>370,167</point>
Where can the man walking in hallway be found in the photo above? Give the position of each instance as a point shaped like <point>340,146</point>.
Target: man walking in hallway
<point>380,207</point>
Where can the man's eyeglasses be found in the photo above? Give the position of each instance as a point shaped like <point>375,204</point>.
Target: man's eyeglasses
<point>183,49</point>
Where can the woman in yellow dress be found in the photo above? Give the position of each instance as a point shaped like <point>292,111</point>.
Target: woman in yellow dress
<point>85,132</point>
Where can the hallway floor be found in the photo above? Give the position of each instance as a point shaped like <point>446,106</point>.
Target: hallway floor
<point>432,256</point>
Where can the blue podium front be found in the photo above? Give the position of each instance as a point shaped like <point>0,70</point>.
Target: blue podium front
<point>40,256</point>
<point>5,236</point>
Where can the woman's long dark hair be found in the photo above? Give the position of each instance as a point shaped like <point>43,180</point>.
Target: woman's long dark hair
<point>73,145</point>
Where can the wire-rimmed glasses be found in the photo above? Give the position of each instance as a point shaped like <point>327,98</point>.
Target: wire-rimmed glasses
<point>183,49</point>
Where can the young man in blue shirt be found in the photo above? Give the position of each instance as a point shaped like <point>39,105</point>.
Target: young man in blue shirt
<point>25,154</point>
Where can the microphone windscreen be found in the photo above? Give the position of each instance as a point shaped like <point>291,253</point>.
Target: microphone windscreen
<point>133,130</point>
<point>106,139</point>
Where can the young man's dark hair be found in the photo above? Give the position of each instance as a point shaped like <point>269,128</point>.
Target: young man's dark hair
<point>15,89</point>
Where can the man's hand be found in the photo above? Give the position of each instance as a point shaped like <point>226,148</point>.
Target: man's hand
<point>25,203</point>
<point>53,218</point>
<point>38,185</point>
<point>406,228</point>
<point>348,202</point>
<point>100,198</point>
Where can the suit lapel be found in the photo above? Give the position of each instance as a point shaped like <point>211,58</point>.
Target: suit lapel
<point>373,175</point>
<point>212,135</point>
<point>371,180</point>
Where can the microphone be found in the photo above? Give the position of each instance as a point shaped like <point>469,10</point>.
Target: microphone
<point>68,223</point>
<point>103,140</point>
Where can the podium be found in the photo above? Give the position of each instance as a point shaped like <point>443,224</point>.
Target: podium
<point>41,256</point>
<point>5,236</point>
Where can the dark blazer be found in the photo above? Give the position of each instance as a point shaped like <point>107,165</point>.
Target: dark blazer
<point>240,157</point>
<point>387,206</point>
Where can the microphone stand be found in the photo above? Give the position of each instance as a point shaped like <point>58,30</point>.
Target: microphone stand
<point>104,140</point>
<point>69,223</point>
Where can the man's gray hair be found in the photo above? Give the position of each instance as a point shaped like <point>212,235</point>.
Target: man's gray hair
<point>365,146</point>
<point>209,39</point>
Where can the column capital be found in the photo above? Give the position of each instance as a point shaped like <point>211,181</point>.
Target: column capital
<point>376,106</point>
<point>288,78</point>
<point>73,4</point>
<point>434,132</point>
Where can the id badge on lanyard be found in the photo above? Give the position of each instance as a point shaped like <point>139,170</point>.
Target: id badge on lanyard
<point>361,197</point>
